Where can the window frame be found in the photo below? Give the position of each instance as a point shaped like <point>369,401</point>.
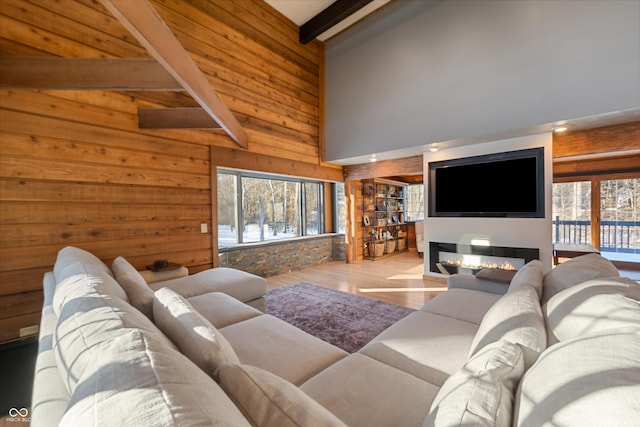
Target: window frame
<point>302,222</point>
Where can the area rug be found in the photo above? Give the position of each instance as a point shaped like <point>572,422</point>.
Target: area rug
<point>345,320</point>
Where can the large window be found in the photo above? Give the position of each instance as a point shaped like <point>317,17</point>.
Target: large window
<point>256,208</point>
<point>415,202</point>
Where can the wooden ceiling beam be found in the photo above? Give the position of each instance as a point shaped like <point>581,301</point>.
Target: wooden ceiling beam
<point>175,118</point>
<point>139,74</point>
<point>333,14</point>
<point>141,19</point>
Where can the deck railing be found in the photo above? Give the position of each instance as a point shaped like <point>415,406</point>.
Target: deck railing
<point>615,236</point>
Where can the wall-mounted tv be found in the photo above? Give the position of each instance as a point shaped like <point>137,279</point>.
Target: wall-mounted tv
<point>509,184</point>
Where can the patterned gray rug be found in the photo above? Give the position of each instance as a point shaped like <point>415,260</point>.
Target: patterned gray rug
<point>345,320</point>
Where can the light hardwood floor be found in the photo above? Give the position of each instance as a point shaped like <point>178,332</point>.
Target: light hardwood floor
<point>397,279</point>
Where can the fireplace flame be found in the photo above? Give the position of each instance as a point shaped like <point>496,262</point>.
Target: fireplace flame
<point>460,262</point>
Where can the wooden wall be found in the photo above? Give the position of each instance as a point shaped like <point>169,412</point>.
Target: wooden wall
<point>605,140</point>
<point>608,149</point>
<point>76,170</point>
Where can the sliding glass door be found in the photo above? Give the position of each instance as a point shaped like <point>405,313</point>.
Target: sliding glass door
<point>603,211</point>
<point>620,219</point>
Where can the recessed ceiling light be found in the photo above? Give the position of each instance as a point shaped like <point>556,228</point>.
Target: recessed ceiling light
<point>373,158</point>
<point>559,128</point>
<point>481,242</point>
<point>433,149</point>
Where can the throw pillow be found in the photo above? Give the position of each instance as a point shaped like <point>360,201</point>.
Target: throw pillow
<point>268,400</point>
<point>139,293</point>
<point>529,274</point>
<point>194,335</point>
<point>592,307</point>
<point>496,275</point>
<point>515,317</point>
<point>482,392</point>
<point>588,381</point>
<point>577,270</point>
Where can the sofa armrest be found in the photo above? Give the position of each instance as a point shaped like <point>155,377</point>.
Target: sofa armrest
<point>49,396</point>
<point>466,281</point>
<point>159,276</point>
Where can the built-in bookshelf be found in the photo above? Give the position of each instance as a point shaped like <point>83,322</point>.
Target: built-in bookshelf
<point>384,230</point>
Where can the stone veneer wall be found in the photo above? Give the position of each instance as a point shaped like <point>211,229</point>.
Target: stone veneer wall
<point>277,257</point>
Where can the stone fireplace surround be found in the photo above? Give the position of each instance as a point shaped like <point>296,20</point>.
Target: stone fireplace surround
<point>489,256</point>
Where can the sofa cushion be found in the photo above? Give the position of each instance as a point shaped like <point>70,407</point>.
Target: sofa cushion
<point>576,270</point>
<point>594,306</point>
<point>139,293</point>
<point>280,348</point>
<point>221,309</point>
<point>194,335</point>
<point>71,261</point>
<point>529,274</point>
<point>237,283</point>
<point>136,380</point>
<point>462,304</point>
<point>268,400</point>
<point>362,391</point>
<point>70,287</point>
<point>87,319</point>
<point>426,345</point>
<point>589,381</point>
<point>482,392</point>
<point>516,317</point>
<point>74,266</point>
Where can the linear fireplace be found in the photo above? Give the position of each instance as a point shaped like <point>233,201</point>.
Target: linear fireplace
<point>469,259</point>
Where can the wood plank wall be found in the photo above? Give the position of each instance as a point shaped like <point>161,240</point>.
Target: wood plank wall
<point>608,149</point>
<point>605,140</point>
<point>76,170</point>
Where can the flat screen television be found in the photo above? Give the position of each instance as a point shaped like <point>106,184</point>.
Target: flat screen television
<point>502,185</point>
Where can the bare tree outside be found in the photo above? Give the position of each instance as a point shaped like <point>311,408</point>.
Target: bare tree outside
<point>620,215</point>
<point>572,206</point>
<point>415,202</point>
<point>341,208</point>
<point>227,209</point>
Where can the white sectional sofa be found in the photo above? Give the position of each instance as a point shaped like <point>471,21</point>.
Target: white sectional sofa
<point>561,348</point>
